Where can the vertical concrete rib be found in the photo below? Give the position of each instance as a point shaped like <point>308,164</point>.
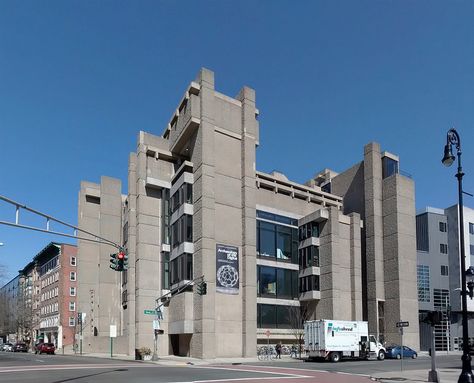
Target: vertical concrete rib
<point>374,232</point>
<point>203,341</point>
<point>248,260</point>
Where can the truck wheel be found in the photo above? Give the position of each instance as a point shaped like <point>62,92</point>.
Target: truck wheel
<point>381,355</point>
<point>335,357</point>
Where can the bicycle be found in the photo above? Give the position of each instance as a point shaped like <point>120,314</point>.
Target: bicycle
<point>266,353</point>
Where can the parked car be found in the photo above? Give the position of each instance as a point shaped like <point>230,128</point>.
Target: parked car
<point>20,347</point>
<point>45,348</point>
<point>7,347</point>
<point>396,352</point>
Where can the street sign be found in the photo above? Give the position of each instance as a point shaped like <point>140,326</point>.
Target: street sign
<point>267,333</point>
<point>113,331</point>
<point>403,324</point>
<point>149,312</point>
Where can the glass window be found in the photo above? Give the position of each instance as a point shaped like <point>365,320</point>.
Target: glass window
<point>73,261</point>
<point>268,316</point>
<point>72,291</point>
<point>72,306</point>
<point>284,283</point>
<point>471,250</point>
<point>267,281</point>
<point>471,228</point>
<point>284,244</point>
<point>443,248</point>
<point>189,228</point>
<point>423,279</point>
<point>189,267</point>
<point>189,193</point>
<point>72,276</point>
<point>389,167</point>
<point>444,270</point>
<point>72,321</point>
<point>283,316</point>
<point>267,239</point>
<point>442,227</point>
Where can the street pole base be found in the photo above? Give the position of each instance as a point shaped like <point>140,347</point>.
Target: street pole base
<point>466,377</point>
<point>433,376</point>
<point>154,358</point>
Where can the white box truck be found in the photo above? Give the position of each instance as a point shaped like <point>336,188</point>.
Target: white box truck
<point>336,339</point>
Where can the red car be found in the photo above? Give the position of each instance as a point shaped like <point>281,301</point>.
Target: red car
<point>47,348</point>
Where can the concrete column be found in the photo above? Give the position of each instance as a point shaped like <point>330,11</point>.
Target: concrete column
<point>373,232</point>
<point>356,267</point>
<point>131,248</point>
<point>203,341</point>
<point>248,259</point>
<point>401,299</point>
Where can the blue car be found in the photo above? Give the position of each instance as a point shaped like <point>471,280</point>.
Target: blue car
<point>395,352</point>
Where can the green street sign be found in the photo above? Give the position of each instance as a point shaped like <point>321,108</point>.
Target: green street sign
<point>149,312</point>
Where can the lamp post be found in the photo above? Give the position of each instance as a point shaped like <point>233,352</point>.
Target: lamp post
<point>448,159</point>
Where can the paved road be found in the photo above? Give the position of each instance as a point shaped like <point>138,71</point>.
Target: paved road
<point>372,367</point>
<point>26,368</point>
<point>18,367</point>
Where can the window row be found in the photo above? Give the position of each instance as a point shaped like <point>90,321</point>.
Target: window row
<point>50,265</point>
<point>309,230</point>
<point>52,308</point>
<point>50,280</point>
<point>50,322</point>
<point>309,283</point>
<point>50,294</point>
<point>275,282</point>
<point>277,241</point>
<point>275,316</point>
<point>181,268</point>
<point>183,195</point>
<point>309,257</point>
<point>182,230</point>
<point>423,278</point>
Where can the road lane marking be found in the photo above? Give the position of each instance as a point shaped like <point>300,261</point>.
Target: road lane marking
<point>73,367</point>
<point>249,370</point>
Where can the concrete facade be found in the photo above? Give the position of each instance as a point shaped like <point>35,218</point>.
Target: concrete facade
<point>194,197</point>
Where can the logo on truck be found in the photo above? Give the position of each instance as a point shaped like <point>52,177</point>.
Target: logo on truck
<point>332,328</point>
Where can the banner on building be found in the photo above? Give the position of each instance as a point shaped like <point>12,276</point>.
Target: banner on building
<point>227,269</point>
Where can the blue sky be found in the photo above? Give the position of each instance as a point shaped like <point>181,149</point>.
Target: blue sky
<point>80,79</point>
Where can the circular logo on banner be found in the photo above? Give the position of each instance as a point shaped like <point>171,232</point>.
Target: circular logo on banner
<point>227,276</point>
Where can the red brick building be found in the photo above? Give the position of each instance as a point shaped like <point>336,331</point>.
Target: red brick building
<point>57,271</point>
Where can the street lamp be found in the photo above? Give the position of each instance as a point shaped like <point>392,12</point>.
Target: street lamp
<point>448,159</point>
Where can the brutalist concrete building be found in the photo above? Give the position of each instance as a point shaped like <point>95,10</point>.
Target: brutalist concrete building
<point>341,245</point>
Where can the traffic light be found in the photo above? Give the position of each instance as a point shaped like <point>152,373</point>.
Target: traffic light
<point>202,288</point>
<point>125,260</point>
<point>121,260</point>
<point>114,262</point>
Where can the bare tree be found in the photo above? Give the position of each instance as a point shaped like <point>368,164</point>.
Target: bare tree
<point>299,315</point>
